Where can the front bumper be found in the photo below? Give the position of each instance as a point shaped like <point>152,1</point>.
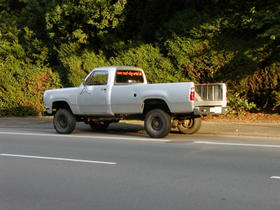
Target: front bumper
<point>45,113</point>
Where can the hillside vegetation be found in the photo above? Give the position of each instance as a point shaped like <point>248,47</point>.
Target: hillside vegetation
<point>55,43</point>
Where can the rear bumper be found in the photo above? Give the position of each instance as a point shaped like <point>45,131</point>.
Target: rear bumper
<point>207,110</point>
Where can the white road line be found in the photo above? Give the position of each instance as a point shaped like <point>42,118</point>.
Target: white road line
<point>56,158</point>
<point>275,177</point>
<point>237,144</point>
<point>82,136</point>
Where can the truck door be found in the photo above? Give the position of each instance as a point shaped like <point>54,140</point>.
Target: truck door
<point>125,94</point>
<point>94,96</point>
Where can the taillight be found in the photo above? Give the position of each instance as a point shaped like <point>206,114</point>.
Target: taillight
<point>192,94</point>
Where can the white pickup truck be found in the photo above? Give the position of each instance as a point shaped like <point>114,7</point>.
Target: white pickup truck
<point>110,94</point>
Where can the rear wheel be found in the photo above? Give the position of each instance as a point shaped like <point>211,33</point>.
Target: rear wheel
<point>157,123</point>
<point>189,126</point>
<point>64,121</point>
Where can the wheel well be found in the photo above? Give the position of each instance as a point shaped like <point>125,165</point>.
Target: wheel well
<point>60,105</point>
<point>150,104</point>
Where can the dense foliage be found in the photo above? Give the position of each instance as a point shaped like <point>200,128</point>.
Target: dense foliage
<point>54,43</point>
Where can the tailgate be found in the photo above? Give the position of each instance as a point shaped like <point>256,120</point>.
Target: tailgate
<point>211,98</point>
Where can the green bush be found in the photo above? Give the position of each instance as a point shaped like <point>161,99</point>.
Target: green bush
<point>276,96</point>
<point>22,86</point>
<point>77,62</point>
<point>239,104</point>
<point>23,74</point>
<point>156,66</point>
<point>47,44</point>
<point>196,59</point>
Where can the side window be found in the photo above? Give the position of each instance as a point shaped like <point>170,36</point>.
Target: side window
<point>97,78</point>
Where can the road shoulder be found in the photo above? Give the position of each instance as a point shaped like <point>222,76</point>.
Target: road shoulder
<point>210,127</point>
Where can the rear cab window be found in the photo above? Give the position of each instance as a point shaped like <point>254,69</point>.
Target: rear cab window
<point>124,77</point>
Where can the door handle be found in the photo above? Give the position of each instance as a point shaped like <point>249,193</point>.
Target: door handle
<point>104,89</point>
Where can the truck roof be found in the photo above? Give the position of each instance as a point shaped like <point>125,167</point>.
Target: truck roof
<point>114,68</point>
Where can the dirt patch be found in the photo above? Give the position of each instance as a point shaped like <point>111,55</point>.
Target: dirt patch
<point>254,118</point>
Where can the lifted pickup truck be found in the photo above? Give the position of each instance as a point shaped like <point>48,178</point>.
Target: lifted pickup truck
<point>110,94</point>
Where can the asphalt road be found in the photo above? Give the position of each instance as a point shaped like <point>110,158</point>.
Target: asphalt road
<point>40,169</point>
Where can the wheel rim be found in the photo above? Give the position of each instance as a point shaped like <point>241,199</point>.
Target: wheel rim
<point>157,123</point>
<point>62,121</point>
<point>188,123</point>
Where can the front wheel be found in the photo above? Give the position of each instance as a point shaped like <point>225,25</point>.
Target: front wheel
<point>189,126</point>
<point>64,121</point>
<point>157,123</point>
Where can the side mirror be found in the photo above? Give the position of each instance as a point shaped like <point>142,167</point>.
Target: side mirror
<point>83,82</point>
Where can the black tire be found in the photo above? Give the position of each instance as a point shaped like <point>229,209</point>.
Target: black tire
<point>157,123</point>
<point>190,126</point>
<point>99,126</point>
<point>64,121</point>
